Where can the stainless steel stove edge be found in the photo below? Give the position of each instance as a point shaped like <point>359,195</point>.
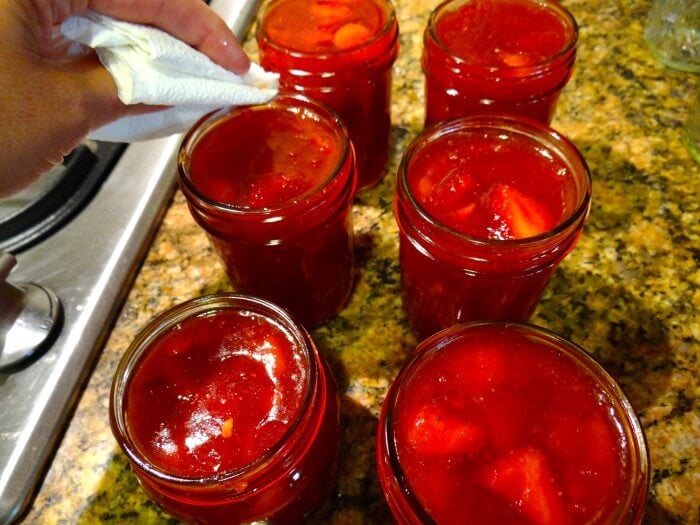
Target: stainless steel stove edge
<point>35,403</point>
<point>92,283</point>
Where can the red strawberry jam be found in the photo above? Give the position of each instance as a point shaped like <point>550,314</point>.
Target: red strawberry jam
<point>265,157</point>
<point>324,26</point>
<point>209,404</point>
<point>272,186</point>
<point>502,423</point>
<point>492,184</point>
<point>215,393</point>
<point>339,52</point>
<point>487,206</point>
<point>497,56</point>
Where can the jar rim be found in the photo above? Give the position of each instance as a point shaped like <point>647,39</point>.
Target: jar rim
<point>534,70</point>
<point>160,325</point>
<point>389,27</point>
<point>524,126</point>
<point>285,102</point>
<point>633,505</point>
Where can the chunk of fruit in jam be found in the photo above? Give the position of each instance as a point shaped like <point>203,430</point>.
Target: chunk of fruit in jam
<point>515,215</point>
<point>351,35</point>
<point>437,432</point>
<point>524,479</point>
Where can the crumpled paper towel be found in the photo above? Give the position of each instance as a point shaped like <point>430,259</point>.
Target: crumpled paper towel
<point>152,67</point>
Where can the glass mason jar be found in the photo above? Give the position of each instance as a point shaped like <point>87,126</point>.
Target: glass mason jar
<point>280,237</point>
<point>352,75</point>
<point>449,276</point>
<point>672,32</point>
<point>479,57</point>
<point>512,422</point>
<point>227,413</point>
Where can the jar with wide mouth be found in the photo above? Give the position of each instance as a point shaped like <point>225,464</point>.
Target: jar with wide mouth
<point>497,56</point>
<point>342,54</point>
<point>509,423</point>
<point>227,413</point>
<point>487,207</point>
<point>272,186</point>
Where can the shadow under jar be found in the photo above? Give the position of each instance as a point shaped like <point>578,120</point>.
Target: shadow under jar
<point>272,186</point>
<point>508,423</point>
<point>340,52</point>
<point>487,207</point>
<point>227,413</point>
<point>497,56</point>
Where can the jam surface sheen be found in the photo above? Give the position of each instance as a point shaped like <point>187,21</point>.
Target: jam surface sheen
<point>503,33</point>
<point>265,157</point>
<point>324,26</point>
<point>216,393</point>
<point>492,184</point>
<point>501,429</point>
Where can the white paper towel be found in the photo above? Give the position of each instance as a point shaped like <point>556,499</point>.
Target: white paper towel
<point>150,66</point>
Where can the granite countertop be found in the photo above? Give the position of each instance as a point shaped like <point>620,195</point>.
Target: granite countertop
<point>629,293</point>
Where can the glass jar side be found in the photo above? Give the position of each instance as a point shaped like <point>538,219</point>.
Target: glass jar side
<point>449,277</point>
<point>298,254</point>
<point>454,87</point>
<point>286,483</point>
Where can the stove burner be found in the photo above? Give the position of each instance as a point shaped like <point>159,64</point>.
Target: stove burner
<point>39,210</point>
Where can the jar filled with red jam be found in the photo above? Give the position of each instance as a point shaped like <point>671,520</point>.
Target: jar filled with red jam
<point>227,413</point>
<point>340,52</point>
<point>497,56</point>
<point>272,186</point>
<point>487,206</point>
<point>496,423</point>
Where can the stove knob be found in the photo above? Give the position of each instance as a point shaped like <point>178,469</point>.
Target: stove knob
<point>30,316</point>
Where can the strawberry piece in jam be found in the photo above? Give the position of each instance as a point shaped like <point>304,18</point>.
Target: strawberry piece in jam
<point>437,432</point>
<point>515,215</point>
<point>524,481</point>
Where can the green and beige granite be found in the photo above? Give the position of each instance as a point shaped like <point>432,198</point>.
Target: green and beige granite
<point>629,293</point>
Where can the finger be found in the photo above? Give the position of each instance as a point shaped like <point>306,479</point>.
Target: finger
<point>192,21</point>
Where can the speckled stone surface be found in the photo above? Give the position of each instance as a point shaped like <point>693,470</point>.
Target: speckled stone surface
<point>629,293</point>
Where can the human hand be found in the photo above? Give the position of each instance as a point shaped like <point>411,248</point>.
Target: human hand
<point>50,101</point>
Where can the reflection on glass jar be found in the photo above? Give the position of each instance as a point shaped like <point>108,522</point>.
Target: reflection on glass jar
<point>227,414</point>
<point>513,423</point>
<point>272,185</point>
